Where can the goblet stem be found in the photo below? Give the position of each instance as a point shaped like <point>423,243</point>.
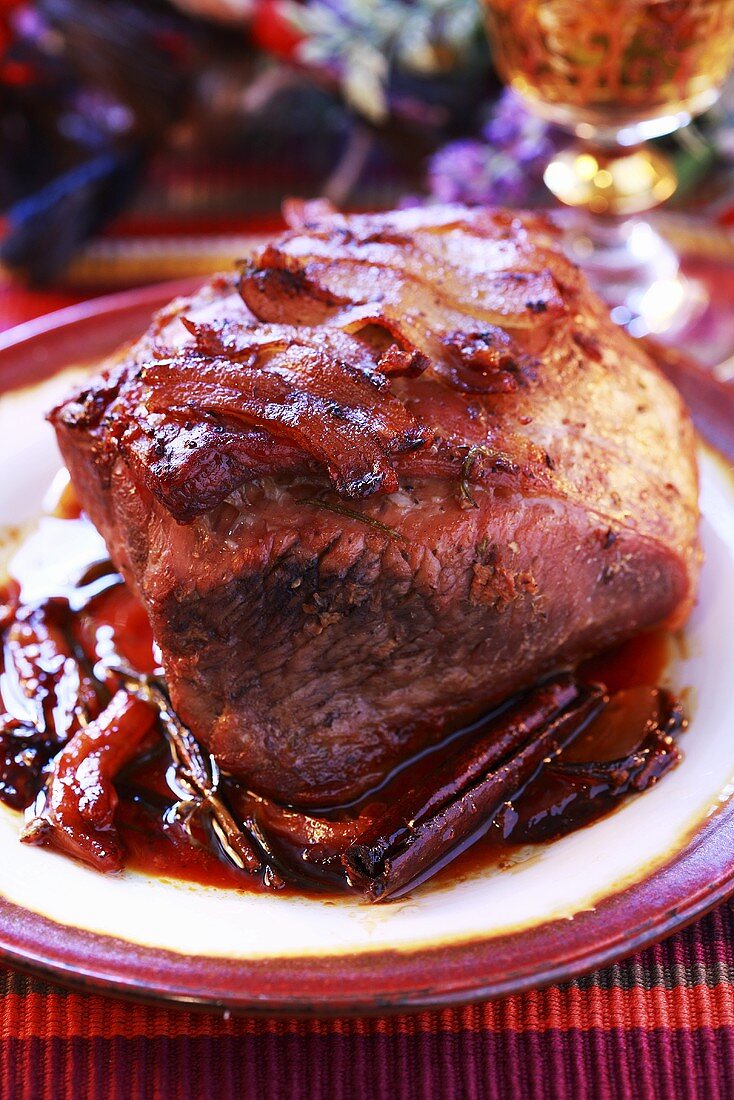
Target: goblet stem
<point>626,259</point>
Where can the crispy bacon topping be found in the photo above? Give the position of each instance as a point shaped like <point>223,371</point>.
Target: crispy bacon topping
<point>318,390</point>
<point>481,362</point>
<point>298,374</point>
<point>443,275</point>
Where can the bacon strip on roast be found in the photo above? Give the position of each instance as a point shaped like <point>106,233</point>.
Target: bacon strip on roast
<point>303,380</point>
<point>318,390</point>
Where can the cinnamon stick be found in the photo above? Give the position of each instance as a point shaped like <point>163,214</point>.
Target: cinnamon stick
<point>572,793</point>
<point>456,804</point>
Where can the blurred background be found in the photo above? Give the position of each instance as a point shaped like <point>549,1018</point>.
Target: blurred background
<point>141,140</point>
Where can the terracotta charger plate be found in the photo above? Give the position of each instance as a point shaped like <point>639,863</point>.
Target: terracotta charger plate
<point>661,860</point>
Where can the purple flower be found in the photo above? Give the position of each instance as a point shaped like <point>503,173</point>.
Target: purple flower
<point>507,121</point>
<point>514,129</point>
<point>28,23</point>
<point>470,171</point>
<point>504,167</point>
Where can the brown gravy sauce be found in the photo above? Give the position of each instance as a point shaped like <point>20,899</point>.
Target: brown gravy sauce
<point>110,619</point>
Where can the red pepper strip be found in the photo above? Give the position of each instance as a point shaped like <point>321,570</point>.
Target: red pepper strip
<point>304,846</point>
<point>9,603</point>
<point>43,683</point>
<point>75,813</point>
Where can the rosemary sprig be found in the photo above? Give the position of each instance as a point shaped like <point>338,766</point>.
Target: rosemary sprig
<point>197,773</point>
<point>340,510</point>
<point>476,451</point>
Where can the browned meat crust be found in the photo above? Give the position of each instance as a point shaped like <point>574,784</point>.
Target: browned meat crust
<point>396,468</point>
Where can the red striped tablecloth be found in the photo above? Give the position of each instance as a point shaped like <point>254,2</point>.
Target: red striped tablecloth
<point>659,1025</point>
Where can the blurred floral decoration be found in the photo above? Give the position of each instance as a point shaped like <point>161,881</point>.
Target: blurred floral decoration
<point>95,92</point>
<point>367,45</point>
<point>503,164</point>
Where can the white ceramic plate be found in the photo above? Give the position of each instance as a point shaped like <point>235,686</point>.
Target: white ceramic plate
<point>587,898</point>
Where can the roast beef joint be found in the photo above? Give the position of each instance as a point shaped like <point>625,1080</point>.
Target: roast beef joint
<point>395,477</point>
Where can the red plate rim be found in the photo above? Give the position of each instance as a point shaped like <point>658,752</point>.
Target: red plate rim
<point>696,878</point>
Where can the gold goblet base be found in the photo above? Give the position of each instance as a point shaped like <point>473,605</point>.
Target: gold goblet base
<point>626,260</point>
<point>616,182</point>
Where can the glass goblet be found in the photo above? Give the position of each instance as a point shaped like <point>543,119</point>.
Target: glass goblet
<point>616,73</point>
